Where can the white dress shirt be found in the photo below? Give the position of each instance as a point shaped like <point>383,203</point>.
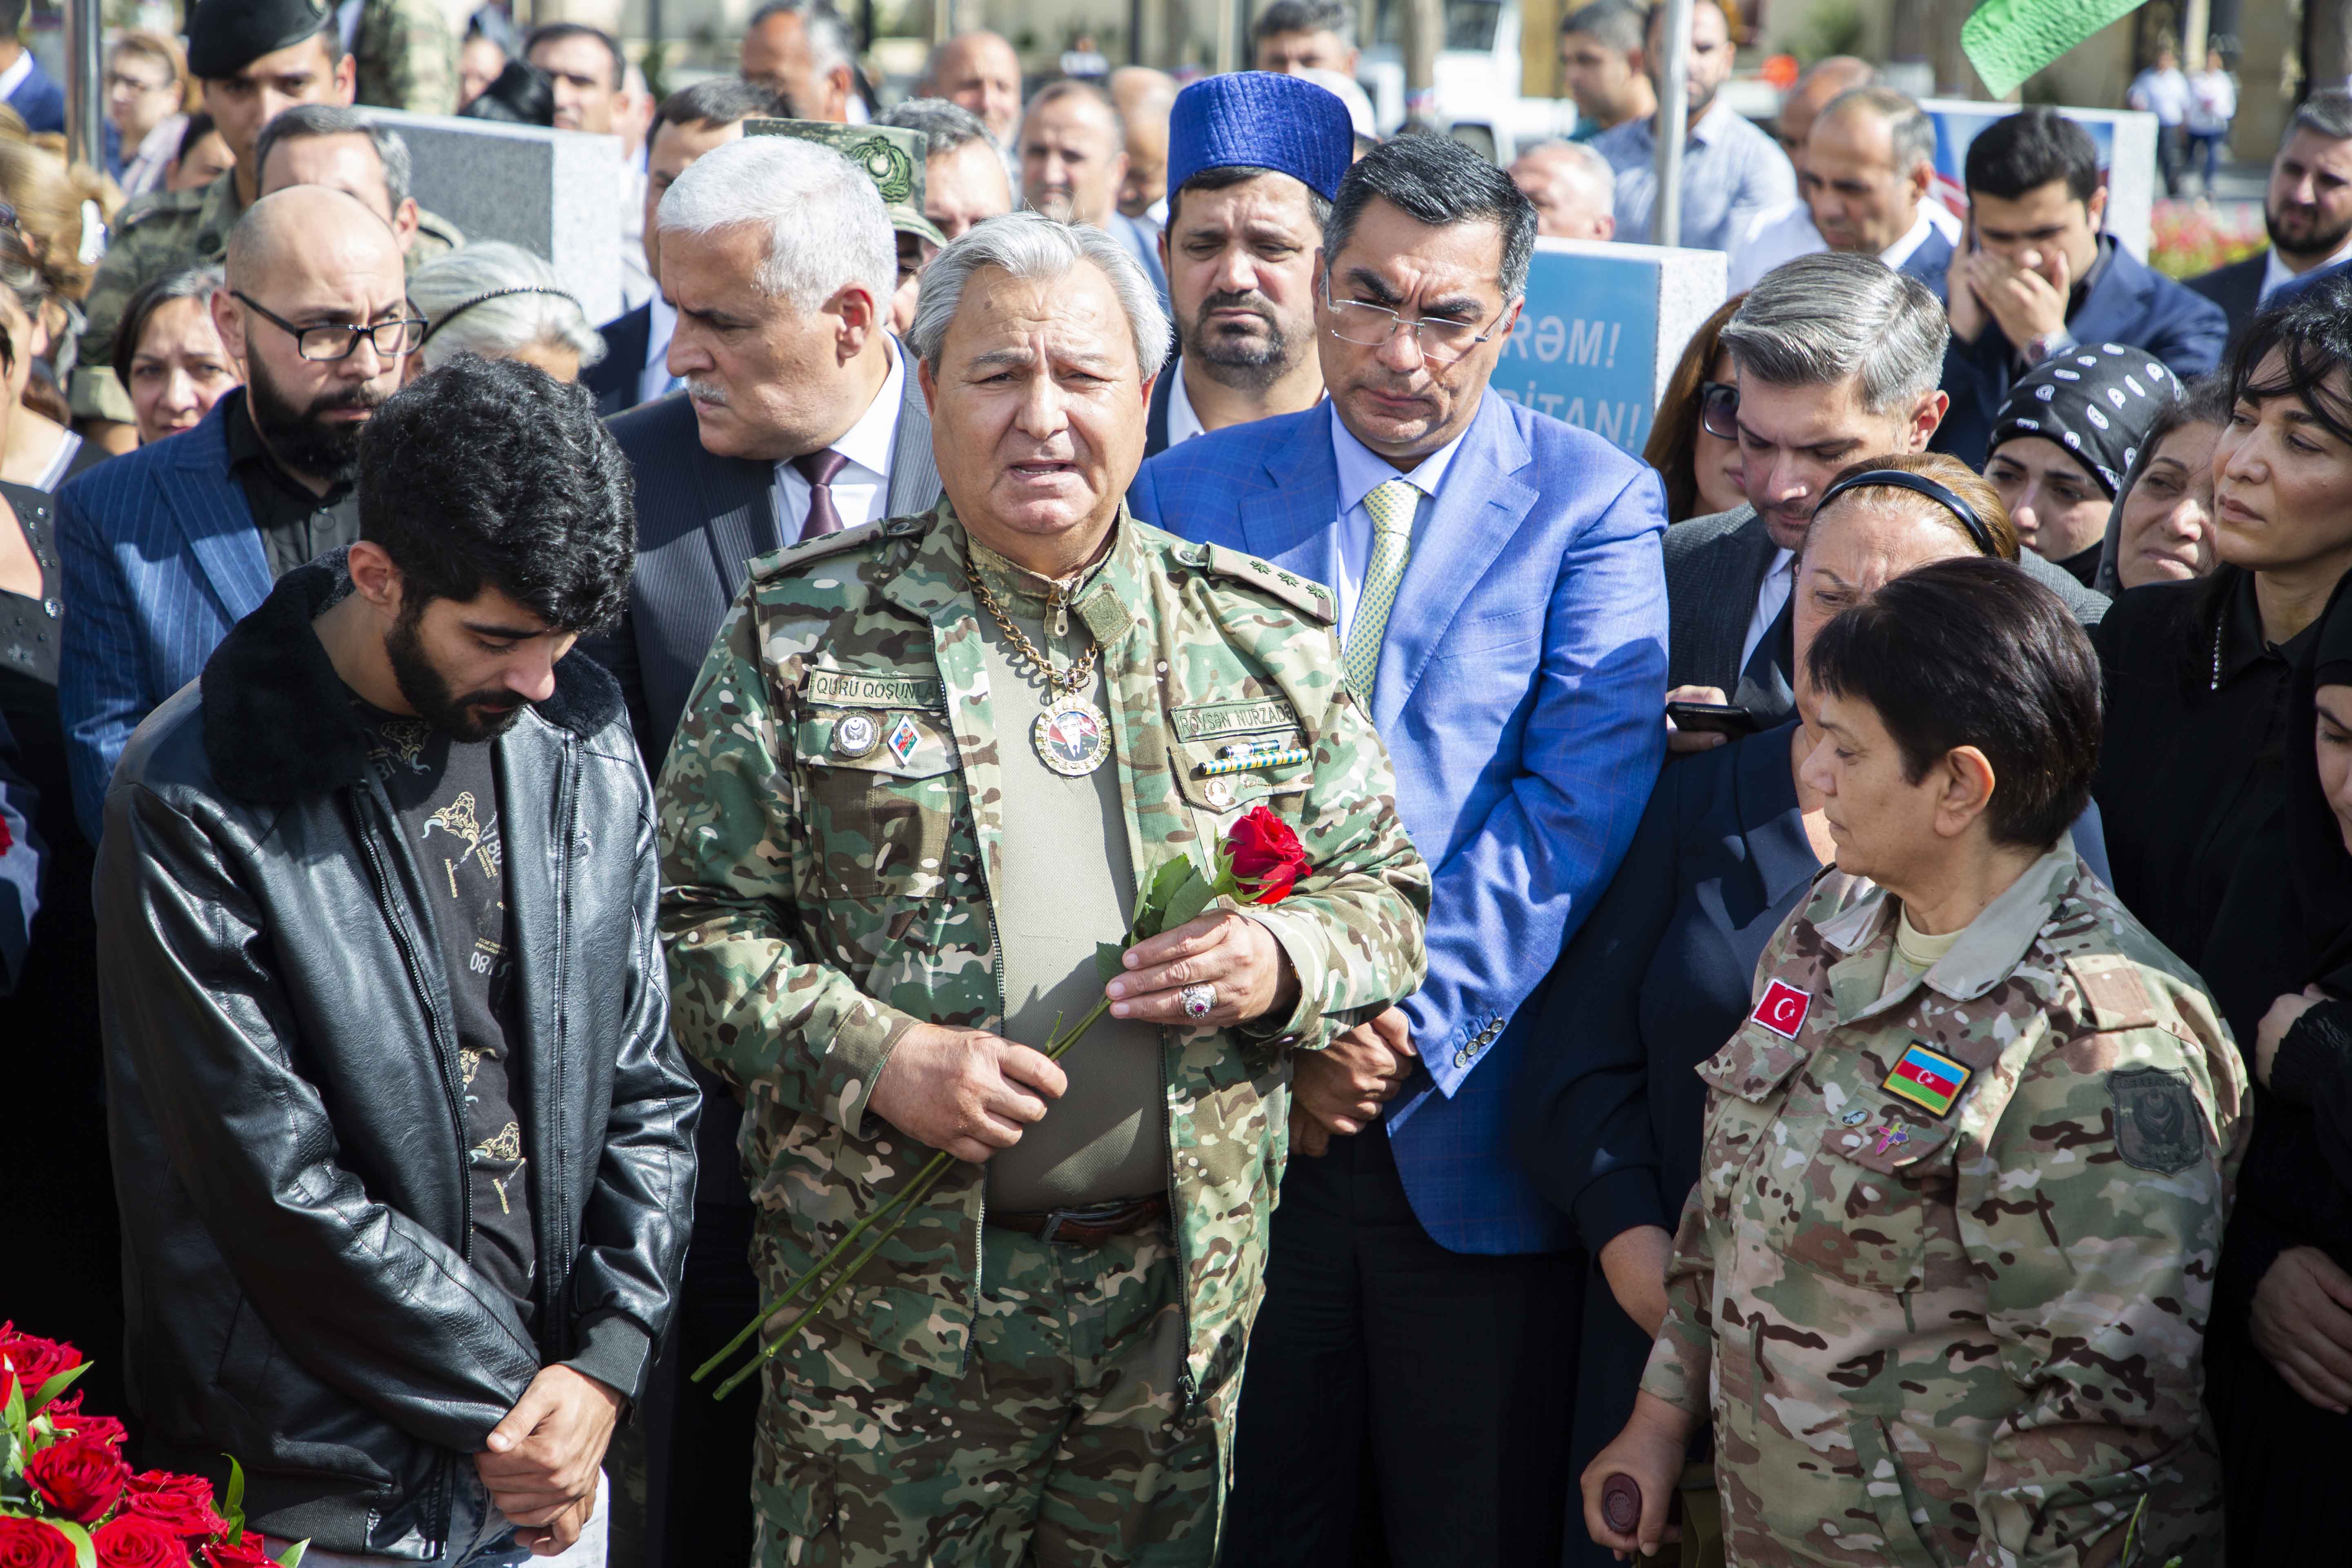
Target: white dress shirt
<point>653,380</point>
<point>861,488</point>
<point>1786,232</point>
<point>1182,422</point>
<point>2275,275</point>
<point>1361,471</point>
<point>13,76</point>
<point>1779,582</point>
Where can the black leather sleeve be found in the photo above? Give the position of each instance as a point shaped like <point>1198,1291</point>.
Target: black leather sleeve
<point>640,1212</point>
<point>363,1299</point>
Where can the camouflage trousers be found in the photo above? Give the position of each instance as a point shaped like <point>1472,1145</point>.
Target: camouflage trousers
<point>1059,1446</point>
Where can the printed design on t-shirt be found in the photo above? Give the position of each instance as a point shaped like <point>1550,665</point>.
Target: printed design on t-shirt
<point>503,1147</point>
<point>479,838</point>
<point>401,741</point>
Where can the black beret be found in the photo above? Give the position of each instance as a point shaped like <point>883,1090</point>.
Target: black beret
<point>226,36</point>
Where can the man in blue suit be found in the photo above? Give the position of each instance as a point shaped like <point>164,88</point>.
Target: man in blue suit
<point>2036,275</point>
<point>1503,616</point>
<point>168,547</point>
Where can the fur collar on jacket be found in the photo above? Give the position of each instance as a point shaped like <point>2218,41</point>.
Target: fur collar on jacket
<point>278,725</point>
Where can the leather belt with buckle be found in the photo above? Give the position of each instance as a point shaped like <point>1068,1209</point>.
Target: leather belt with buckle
<point>1088,1227</point>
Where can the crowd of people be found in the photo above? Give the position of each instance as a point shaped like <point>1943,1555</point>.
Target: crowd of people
<point>1787,992</point>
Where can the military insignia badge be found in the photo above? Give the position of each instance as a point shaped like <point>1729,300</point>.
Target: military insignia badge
<point>1783,1009</point>
<point>857,735</point>
<point>2157,1125</point>
<point>1929,1079</point>
<point>1072,737</point>
<point>904,738</point>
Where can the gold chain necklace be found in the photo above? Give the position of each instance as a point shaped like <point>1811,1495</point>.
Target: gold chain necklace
<point>1058,684</point>
<point>1072,736</point>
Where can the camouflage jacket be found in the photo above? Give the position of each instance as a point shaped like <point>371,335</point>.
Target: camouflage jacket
<point>1973,1336</point>
<point>406,57</point>
<point>165,232</point>
<point>816,904</point>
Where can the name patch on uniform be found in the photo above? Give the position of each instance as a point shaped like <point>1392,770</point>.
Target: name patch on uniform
<point>1929,1080</point>
<point>1217,719</point>
<point>850,689</point>
<point>1783,1009</point>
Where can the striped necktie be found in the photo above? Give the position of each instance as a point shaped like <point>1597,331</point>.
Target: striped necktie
<point>1391,505</point>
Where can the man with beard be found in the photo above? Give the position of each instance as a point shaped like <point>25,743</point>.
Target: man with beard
<point>168,547</point>
<point>387,1025</point>
<point>2307,209</point>
<point>1732,172</point>
<point>1254,160</point>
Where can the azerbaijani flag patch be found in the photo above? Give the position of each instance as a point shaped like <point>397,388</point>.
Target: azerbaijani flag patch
<point>1927,1078</point>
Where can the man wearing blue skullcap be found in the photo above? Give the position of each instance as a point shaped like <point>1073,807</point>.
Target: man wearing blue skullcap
<point>1254,160</point>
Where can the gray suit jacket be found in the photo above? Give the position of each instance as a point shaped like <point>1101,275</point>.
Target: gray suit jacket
<point>1714,568</point>
<point>700,521</point>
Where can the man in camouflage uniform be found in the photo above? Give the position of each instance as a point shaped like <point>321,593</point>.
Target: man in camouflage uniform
<point>406,56</point>
<point>876,886</point>
<point>1944,1281</point>
<point>255,59</point>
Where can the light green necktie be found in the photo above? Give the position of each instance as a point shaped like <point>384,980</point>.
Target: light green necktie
<point>1391,504</point>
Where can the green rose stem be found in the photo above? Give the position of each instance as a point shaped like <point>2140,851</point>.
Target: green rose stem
<point>925,1179</point>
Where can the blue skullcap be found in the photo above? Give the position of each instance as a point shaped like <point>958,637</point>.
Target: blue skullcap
<point>1261,120</point>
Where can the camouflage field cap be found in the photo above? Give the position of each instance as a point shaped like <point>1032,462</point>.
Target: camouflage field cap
<point>892,158</point>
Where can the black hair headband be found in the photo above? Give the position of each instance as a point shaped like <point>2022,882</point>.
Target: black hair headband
<point>465,305</point>
<point>1902,479</point>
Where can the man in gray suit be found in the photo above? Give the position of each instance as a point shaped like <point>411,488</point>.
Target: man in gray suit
<point>1837,358</point>
<point>800,415</point>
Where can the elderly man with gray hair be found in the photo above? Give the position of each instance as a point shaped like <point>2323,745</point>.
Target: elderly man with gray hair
<point>1572,187</point>
<point>501,301</point>
<point>928,767</point>
<point>1835,357</point>
<point>1864,176</point>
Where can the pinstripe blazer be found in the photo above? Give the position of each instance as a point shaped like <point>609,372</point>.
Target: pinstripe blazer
<point>162,557</point>
<point>700,521</point>
<point>1519,690</point>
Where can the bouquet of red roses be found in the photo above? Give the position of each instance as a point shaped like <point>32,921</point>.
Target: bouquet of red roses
<point>68,1498</point>
<point>1260,862</point>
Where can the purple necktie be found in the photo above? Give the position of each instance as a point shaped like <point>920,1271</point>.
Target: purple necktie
<point>818,468</point>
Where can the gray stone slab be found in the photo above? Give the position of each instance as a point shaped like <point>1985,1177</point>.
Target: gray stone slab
<point>1603,328</point>
<point>554,193</point>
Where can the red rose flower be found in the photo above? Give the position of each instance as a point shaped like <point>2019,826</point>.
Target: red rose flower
<point>130,1542</point>
<point>34,1360</point>
<point>67,1415</point>
<point>184,1503</point>
<point>1266,856</point>
<point>78,1477</point>
<point>31,1543</point>
<point>245,1553</point>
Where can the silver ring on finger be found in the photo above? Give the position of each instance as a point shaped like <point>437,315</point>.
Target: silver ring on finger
<point>1197,1001</point>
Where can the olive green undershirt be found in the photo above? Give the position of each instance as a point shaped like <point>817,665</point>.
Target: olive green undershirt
<point>1067,883</point>
<point>1915,953</point>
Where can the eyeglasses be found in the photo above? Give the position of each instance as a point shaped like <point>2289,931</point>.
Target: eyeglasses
<point>123,81</point>
<point>1371,326</point>
<point>1719,409</point>
<point>391,340</point>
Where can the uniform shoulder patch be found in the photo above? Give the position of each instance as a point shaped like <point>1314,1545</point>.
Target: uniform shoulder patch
<point>158,204</point>
<point>1304,594</point>
<point>792,557</point>
<point>2157,1125</point>
<point>2115,993</point>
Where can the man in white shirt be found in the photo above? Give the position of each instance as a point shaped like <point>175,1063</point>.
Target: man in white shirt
<point>1254,160</point>
<point>2307,209</point>
<point>1868,166</point>
<point>2163,91</point>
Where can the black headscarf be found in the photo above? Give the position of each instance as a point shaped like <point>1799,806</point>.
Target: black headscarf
<point>2096,400</point>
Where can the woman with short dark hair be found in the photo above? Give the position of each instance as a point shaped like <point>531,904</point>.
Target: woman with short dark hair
<point>1942,1285</point>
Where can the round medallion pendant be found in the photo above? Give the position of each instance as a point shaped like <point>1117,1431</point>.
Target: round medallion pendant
<point>1072,737</point>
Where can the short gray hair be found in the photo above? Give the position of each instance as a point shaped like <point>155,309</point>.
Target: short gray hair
<point>825,223</point>
<point>305,120</point>
<point>1615,23</point>
<point>495,299</point>
<point>1909,132</point>
<point>1035,248</point>
<point>1817,320</point>
<point>943,126</point>
<point>828,36</point>
<point>1581,153</point>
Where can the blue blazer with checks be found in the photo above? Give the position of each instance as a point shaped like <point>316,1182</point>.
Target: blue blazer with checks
<point>161,556</point>
<point>1519,691</point>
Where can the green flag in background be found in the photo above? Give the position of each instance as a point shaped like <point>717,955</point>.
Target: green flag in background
<point>2009,40</point>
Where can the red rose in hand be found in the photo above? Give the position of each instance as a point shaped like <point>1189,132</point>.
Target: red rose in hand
<point>80,1478</point>
<point>1266,856</point>
<point>245,1553</point>
<point>34,1360</point>
<point>132,1541</point>
<point>29,1544</point>
<point>183,1503</point>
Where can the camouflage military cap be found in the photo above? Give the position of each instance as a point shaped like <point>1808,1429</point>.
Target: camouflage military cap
<point>891,156</point>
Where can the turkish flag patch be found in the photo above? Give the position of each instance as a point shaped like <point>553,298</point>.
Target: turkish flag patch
<point>1783,1009</point>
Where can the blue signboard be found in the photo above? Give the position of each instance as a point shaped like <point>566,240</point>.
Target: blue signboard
<point>1598,317</point>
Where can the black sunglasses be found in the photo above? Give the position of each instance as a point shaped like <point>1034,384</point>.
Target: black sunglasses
<point>1719,409</point>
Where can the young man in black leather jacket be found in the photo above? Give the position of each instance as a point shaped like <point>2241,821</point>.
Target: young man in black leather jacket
<point>405,1151</point>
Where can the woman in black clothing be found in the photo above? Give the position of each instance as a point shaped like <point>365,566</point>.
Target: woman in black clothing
<point>2072,427</point>
<point>2197,672</point>
<point>1658,977</point>
<point>2279,1352</point>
